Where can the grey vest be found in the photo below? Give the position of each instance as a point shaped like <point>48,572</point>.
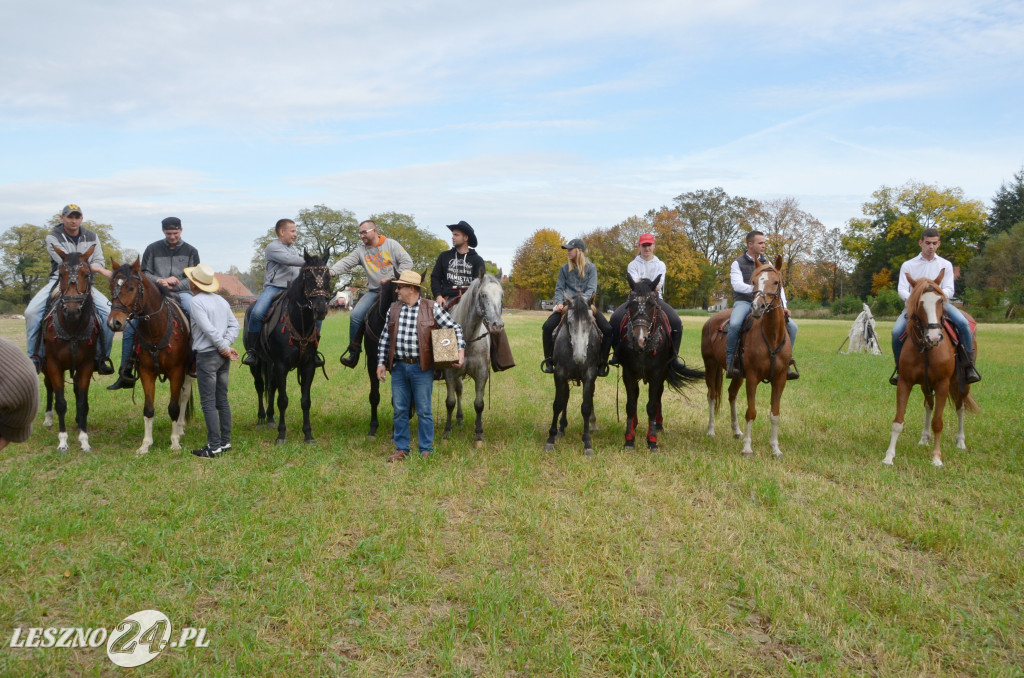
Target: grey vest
<point>747,266</point>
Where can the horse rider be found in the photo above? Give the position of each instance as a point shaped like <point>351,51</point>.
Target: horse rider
<point>70,236</point>
<point>740,272</point>
<point>405,349</point>
<point>164,262</point>
<point>928,264</point>
<point>381,258</point>
<point>283,263</point>
<point>648,266</point>
<point>453,272</point>
<point>577,276</point>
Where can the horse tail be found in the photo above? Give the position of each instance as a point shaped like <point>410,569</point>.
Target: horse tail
<point>970,404</point>
<point>679,375</point>
<point>189,407</point>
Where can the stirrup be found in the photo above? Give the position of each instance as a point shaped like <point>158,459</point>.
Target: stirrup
<point>971,375</point>
<point>793,373</point>
<point>895,379</point>
<point>249,359</point>
<point>546,366</point>
<point>602,370</point>
<point>104,366</point>
<point>350,358</point>
<point>318,360</point>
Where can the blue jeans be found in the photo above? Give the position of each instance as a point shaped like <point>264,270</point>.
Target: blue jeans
<point>212,379</point>
<point>740,309</point>
<point>128,336</point>
<point>262,305</point>
<point>963,328</point>
<point>358,315</point>
<point>411,384</point>
<point>34,320</point>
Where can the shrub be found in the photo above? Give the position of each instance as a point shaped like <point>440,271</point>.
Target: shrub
<point>887,303</point>
<point>846,304</point>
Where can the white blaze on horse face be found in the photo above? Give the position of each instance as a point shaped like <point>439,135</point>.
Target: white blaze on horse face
<point>761,302</point>
<point>579,338</point>
<point>931,302</point>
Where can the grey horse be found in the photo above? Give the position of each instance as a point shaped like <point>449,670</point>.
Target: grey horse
<point>577,345</point>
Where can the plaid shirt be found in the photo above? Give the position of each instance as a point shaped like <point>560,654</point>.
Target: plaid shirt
<point>406,344</point>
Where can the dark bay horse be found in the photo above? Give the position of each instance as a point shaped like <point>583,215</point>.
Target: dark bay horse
<point>289,341</point>
<point>577,345</point>
<point>70,332</point>
<point>929,360</point>
<point>376,316</point>
<point>766,354</point>
<point>478,313</point>
<point>646,353</point>
<point>163,344</point>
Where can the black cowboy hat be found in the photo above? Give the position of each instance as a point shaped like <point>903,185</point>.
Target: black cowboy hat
<point>465,228</point>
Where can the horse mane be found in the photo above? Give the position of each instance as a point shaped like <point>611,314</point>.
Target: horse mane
<point>463,309</point>
<point>920,287</point>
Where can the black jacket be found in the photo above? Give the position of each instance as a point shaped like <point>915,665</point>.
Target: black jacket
<point>455,270</point>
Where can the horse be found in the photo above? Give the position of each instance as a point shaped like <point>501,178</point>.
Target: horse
<point>163,344</point>
<point>289,341</point>
<point>767,351</point>
<point>577,345</point>
<point>376,317</point>
<point>929,360</point>
<point>478,313</point>
<point>645,352</point>
<point>70,333</point>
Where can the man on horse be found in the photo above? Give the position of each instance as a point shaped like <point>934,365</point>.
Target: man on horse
<point>648,266</point>
<point>743,295</point>
<point>71,236</point>
<point>405,349</point>
<point>577,277</point>
<point>381,258</point>
<point>453,272</point>
<point>283,263</point>
<point>164,262</point>
<point>928,264</point>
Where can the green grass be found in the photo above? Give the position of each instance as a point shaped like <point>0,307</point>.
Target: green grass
<point>324,559</point>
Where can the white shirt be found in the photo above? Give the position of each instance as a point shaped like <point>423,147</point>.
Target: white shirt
<point>639,269</point>
<point>919,267</point>
<point>736,277</point>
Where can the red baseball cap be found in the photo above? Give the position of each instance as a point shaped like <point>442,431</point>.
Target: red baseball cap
<point>646,238</point>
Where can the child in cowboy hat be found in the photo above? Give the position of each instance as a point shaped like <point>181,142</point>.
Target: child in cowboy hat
<point>214,329</point>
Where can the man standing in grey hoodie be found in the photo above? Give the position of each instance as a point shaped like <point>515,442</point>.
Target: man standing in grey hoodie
<point>383,259</point>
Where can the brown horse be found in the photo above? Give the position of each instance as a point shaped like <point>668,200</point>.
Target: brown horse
<point>163,342</point>
<point>929,360</point>
<point>70,332</point>
<point>766,354</point>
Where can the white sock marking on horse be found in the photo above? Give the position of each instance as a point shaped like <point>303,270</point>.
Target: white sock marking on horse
<point>961,438</point>
<point>736,432</point>
<point>711,417</point>
<point>775,435</point>
<point>48,419</point>
<point>894,434</point>
<point>147,438</point>
<point>83,440</point>
<point>178,427</point>
<point>62,441</point>
<point>747,449</point>
<point>926,430</point>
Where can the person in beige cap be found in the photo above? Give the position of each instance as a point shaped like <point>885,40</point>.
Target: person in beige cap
<point>19,394</point>
<point>214,329</point>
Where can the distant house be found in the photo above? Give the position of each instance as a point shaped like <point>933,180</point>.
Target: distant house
<point>721,303</point>
<point>237,294</point>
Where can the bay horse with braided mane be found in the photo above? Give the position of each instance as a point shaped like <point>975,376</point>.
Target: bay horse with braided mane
<point>929,360</point>
<point>767,351</point>
<point>163,344</point>
<point>289,341</point>
<point>646,353</point>
<point>70,333</point>
<point>478,313</point>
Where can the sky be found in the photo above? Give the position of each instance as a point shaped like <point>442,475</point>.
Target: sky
<point>511,116</point>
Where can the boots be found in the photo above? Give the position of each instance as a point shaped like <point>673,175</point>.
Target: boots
<point>125,377</point>
<point>971,375</point>
<point>895,379</point>
<point>735,369</point>
<point>251,339</point>
<point>350,358</point>
<point>793,373</point>
<point>547,367</point>
<point>104,366</point>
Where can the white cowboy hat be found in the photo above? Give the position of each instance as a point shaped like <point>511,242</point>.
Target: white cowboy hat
<point>203,277</point>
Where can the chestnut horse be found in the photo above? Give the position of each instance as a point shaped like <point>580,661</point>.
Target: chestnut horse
<point>70,332</point>
<point>163,344</point>
<point>928,359</point>
<point>766,354</point>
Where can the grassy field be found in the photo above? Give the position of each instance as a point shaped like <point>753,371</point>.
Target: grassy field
<point>506,560</point>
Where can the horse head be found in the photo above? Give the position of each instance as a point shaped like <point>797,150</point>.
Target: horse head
<point>315,278</point>
<point>924,305</point>
<point>579,321</point>
<point>489,294</point>
<point>643,309</point>
<point>74,274</point>
<point>767,282</point>
<point>126,294</point>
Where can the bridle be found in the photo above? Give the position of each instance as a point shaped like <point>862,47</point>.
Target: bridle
<point>481,309</point>
<point>775,301</point>
<point>643,319</point>
<point>73,274</point>
<point>140,298</point>
<point>922,327</point>
<point>314,285</point>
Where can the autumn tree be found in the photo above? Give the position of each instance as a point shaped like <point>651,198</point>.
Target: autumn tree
<point>790,231</point>
<point>831,265</point>
<point>24,264</point>
<point>536,262</point>
<point>422,245</point>
<point>997,274</point>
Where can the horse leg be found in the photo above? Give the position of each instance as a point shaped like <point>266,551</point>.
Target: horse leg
<point>478,406</point>
<point>902,396</point>
<point>563,421</point>
<point>734,389</point>
<point>280,380</point>
<point>449,401</point>
<point>713,380</point>
<point>82,407</point>
<point>62,410</point>
<point>653,411</point>
<point>632,395</point>
<point>777,387</point>
<point>306,383</point>
<point>941,393</point>
<point>459,418</point>
<point>271,391</point>
<point>48,417</point>
<point>174,409</point>
<point>926,430</point>
<point>587,410</point>
<point>184,395</point>
<point>557,408</point>
<point>748,450</point>
<point>374,398</point>
<point>259,385</point>
<point>148,378</point>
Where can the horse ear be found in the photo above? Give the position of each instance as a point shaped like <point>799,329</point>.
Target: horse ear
<point>88,253</point>
<point>654,283</point>
<point>327,254</point>
<point>483,272</point>
<point>113,264</point>
<point>910,280</point>
<point>632,283</point>
<point>778,263</point>
<point>938,278</point>
<point>61,253</point>
<point>136,266</point>
<point>305,255</point>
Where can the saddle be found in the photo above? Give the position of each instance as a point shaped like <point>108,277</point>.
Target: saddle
<point>273,318</point>
<point>951,330</point>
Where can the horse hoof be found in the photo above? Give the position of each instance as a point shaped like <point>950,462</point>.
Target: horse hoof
<point>659,427</point>
<point>371,436</point>
<point>737,435</point>
<point>309,441</point>
<point>479,444</point>
<point>589,452</point>
<point>561,433</point>
<point>142,450</point>
<point>961,445</point>
<point>937,463</point>
<point>549,447</point>
<point>279,441</point>
<point>748,455</point>
<point>652,446</point>
<point>887,462</point>
<point>62,449</point>
<point>629,445</point>
<point>777,454</point>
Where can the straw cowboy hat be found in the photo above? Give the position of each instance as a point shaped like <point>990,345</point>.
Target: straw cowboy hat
<point>410,278</point>
<point>203,277</point>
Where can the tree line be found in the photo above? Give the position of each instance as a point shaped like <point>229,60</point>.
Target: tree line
<point>703,231</point>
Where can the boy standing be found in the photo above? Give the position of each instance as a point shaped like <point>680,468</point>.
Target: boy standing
<point>214,329</point>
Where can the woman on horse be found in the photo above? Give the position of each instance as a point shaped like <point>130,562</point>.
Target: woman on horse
<point>577,276</point>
